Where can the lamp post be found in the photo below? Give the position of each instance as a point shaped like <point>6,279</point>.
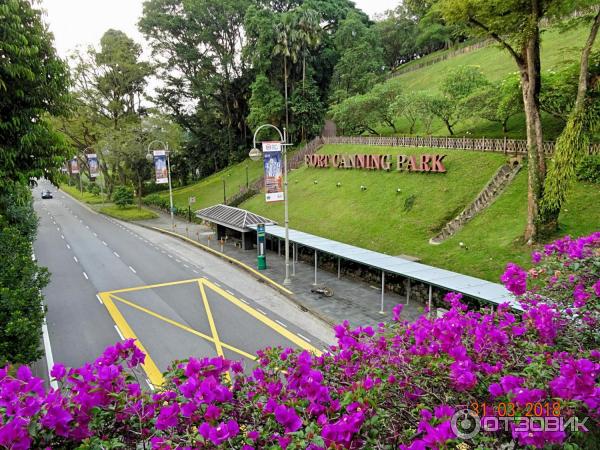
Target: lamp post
<point>150,157</point>
<point>255,154</point>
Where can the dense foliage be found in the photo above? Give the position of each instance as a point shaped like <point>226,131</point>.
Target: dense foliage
<point>123,196</point>
<point>588,169</point>
<point>395,385</point>
<point>33,84</point>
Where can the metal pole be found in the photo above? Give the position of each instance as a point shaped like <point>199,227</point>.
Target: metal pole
<point>315,267</point>
<point>382,291</point>
<point>339,268</point>
<point>294,260</point>
<point>170,188</point>
<point>224,195</point>
<point>286,280</point>
<point>247,183</point>
<point>80,184</point>
<point>430,302</point>
<point>407,290</point>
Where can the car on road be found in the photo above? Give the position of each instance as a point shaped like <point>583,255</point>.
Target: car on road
<point>46,194</point>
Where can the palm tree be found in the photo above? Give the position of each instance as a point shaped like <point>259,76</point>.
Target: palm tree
<point>287,46</point>
<point>309,34</point>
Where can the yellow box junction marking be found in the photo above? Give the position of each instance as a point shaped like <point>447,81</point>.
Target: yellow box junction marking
<point>154,375</point>
<point>152,371</point>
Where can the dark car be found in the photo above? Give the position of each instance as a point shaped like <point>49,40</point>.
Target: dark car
<point>46,194</point>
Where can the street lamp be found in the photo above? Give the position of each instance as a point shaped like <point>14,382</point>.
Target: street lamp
<point>255,154</point>
<point>150,157</point>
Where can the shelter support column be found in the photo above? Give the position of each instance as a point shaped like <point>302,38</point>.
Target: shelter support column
<point>316,260</point>
<point>407,290</point>
<point>430,303</point>
<point>381,311</point>
<point>339,268</point>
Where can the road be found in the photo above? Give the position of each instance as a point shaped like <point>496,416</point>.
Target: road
<point>112,280</point>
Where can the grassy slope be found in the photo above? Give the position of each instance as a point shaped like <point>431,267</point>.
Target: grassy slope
<point>209,191</point>
<point>130,213</point>
<point>375,218</point>
<point>558,49</point>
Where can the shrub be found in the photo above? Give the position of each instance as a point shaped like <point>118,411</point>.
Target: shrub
<point>123,196</point>
<point>393,386</point>
<point>589,169</point>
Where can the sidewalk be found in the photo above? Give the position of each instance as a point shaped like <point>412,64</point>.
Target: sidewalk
<point>355,301</point>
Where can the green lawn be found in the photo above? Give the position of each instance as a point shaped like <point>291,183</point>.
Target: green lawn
<point>558,49</point>
<point>86,197</point>
<point>209,191</point>
<point>376,219</point>
<point>129,213</point>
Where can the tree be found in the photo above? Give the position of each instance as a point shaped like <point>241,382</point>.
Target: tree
<point>307,109</point>
<point>408,105</point>
<point>456,87</point>
<point>123,196</point>
<point>361,62</point>
<point>515,25</point>
<point>583,121</point>
<point>33,84</point>
<point>398,35</point>
<point>496,102</point>
<point>382,96</point>
<point>266,103</point>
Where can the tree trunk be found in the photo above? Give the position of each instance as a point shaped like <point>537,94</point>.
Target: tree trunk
<point>530,84</point>
<point>505,126</point>
<point>449,127</point>
<point>285,80</point>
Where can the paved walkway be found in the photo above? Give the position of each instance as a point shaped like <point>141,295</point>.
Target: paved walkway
<point>355,301</point>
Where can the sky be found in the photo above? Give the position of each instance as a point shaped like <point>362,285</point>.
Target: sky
<point>83,22</point>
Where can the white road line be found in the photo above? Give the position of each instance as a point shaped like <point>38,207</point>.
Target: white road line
<point>195,271</point>
<point>116,254</point>
<point>132,269</point>
<point>105,243</point>
<point>186,266</point>
<point>85,275</point>
<point>150,385</point>
<point>68,246</point>
<point>216,283</point>
<point>281,323</point>
<point>57,229</point>
<point>99,299</point>
<point>170,256</point>
<point>261,311</point>
<point>75,258</point>
<point>87,226</point>
<point>303,337</point>
<point>119,333</point>
<point>244,301</point>
<point>162,251</point>
<point>227,290</point>
<point>176,260</point>
<point>48,352</point>
<point>62,236</point>
<point>96,234</point>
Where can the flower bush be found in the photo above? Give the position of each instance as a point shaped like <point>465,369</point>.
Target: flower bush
<point>392,386</point>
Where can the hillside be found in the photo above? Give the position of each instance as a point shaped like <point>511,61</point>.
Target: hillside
<point>376,218</point>
<point>209,191</point>
<point>558,49</point>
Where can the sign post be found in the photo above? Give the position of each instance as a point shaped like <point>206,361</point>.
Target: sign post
<point>190,201</point>
<point>260,236</point>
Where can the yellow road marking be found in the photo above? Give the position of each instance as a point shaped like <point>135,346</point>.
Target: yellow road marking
<point>183,327</point>
<point>229,258</point>
<point>152,286</point>
<point>154,375</point>
<point>211,321</point>
<point>262,318</point>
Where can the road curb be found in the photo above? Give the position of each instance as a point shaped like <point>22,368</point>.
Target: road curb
<point>84,204</point>
<point>261,277</point>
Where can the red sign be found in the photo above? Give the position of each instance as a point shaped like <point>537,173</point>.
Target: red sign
<point>409,163</point>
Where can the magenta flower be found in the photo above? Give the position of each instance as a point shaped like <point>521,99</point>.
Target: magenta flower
<point>287,417</point>
<point>514,279</point>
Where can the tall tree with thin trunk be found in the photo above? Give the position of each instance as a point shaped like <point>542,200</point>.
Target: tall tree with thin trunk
<point>515,25</point>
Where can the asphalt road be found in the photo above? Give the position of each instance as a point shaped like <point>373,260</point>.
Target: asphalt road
<point>111,281</point>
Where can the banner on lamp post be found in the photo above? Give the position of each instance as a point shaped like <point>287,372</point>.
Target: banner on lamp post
<point>74,166</point>
<point>273,171</point>
<point>92,160</point>
<point>160,166</point>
